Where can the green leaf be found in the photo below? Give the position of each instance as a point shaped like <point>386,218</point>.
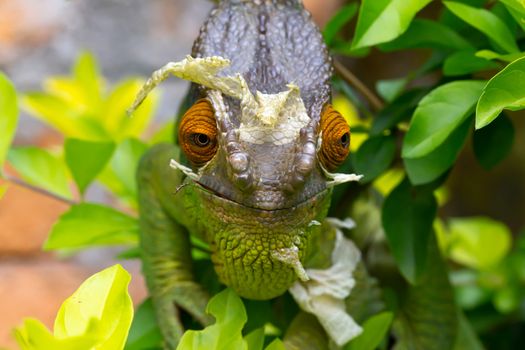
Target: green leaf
<point>491,55</point>
<point>478,242</point>
<point>40,168</point>
<point>119,174</point>
<point>438,115</point>
<point>493,142</point>
<point>338,21</point>
<point>466,62</point>
<point>407,219</point>
<point>467,338</point>
<point>144,332</point>
<point>86,159</point>
<point>487,23</point>
<point>374,331</point>
<point>517,10</point>
<point>398,110</point>
<point>390,89</point>
<point>504,91</point>
<point>8,116</point>
<point>436,163</point>
<point>89,224</point>
<point>374,156</point>
<point>255,339</point>
<point>97,316</point>
<point>422,34</point>
<point>427,315</point>
<point>276,344</point>
<point>230,317</point>
<point>380,21</point>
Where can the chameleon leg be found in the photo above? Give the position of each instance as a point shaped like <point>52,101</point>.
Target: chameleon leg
<point>166,250</point>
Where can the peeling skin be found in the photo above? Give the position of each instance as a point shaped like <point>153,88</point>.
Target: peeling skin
<point>290,256</point>
<point>276,118</point>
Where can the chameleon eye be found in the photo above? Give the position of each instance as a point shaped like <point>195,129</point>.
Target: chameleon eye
<point>335,138</point>
<point>198,133</point>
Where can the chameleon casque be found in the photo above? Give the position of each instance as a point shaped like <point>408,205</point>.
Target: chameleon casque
<point>250,171</point>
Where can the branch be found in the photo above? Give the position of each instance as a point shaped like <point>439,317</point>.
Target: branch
<point>376,103</point>
<point>24,184</point>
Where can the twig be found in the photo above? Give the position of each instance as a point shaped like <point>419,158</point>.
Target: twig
<point>354,81</point>
<point>24,184</point>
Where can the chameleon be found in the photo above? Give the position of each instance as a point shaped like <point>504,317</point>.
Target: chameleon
<point>252,169</point>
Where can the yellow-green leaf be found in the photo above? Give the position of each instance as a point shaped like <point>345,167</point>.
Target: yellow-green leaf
<point>97,316</point>
<point>89,224</point>
<point>380,21</point>
<point>478,242</point>
<point>40,168</point>
<point>504,91</point>
<point>8,116</point>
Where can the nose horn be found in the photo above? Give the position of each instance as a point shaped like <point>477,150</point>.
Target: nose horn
<point>305,158</point>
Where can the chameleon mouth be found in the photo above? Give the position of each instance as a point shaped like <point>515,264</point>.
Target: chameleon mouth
<point>312,199</point>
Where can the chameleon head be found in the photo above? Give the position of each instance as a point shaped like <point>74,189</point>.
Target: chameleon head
<point>258,174</point>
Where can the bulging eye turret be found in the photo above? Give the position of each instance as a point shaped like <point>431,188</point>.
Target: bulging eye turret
<point>335,144</point>
<point>198,133</point>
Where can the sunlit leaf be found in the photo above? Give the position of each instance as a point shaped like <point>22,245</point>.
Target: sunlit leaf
<point>97,316</point>
<point>374,331</point>
<point>86,159</point>
<point>276,344</point>
<point>114,116</point>
<point>374,156</point>
<point>422,34</point>
<point>33,335</point>
<point>3,189</point>
<point>230,317</point>
<point>89,224</point>
<point>486,22</point>
<point>40,168</point>
<point>407,219</point>
<point>504,91</point>
<point>255,339</point>
<point>478,242</point>
<point>87,76</point>
<point>491,55</point>
<point>383,20</point>
<point>493,142</point>
<point>466,62</point>
<point>438,115</point>
<point>338,21</point>
<point>63,116</point>
<point>8,116</point>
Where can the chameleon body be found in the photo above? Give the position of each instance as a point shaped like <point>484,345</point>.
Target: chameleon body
<point>256,188</point>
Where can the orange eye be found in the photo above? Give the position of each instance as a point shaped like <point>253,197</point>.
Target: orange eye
<point>198,133</point>
<point>335,138</point>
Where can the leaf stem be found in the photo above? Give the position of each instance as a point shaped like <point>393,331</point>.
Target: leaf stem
<point>376,103</point>
<point>24,184</point>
